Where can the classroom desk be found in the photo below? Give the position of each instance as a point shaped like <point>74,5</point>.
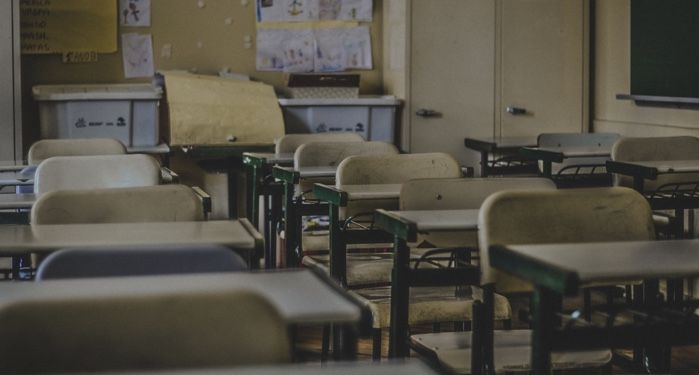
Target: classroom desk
<point>15,179</point>
<point>558,270</point>
<point>405,227</point>
<point>239,235</point>
<point>340,235</point>
<point>508,146</point>
<point>259,183</point>
<point>12,168</point>
<point>412,367</point>
<point>294,207</point>
<point>548,156</point>
<point>227,159</point>
<point>300,296</point>
<point>672,197</point>
<point>17,201</point>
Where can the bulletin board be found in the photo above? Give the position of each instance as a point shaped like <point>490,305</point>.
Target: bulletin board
<point>60,26</point>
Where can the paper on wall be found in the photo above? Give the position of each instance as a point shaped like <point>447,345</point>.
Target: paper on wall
<point>339,49</point>
<point>210,110</point>
<point>314,10</point>
<point>319,50</point>
<point>134,13</point>
<point>290,50</point>
<point>345,10</point>
<point>137,53</point>
<point>68,26</point>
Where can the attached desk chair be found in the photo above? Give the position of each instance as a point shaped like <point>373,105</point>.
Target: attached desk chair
<point>191,304</point>
<point>315,162</point>
<point>574,159</point>
<point>442,213</point>
<point>666,171</point>
<point>500,155</point>
<point>563,216</point>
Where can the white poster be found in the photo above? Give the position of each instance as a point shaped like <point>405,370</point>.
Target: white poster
<point>345,10</point>
<point>137,51</point>
<point>314,10</point>
<point>289,50</point>
<point>319,50</point>
<point>134,13</point>
<point>341,49</point>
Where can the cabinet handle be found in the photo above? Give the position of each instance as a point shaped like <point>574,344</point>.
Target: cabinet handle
<point>515,111</point>
<point>428,113</point>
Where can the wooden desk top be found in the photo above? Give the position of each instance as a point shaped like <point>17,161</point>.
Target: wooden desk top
<point>300,295</point>
<point>15,179</point>
<point>17,201</point>
<point>271,158</point>
<point>22,239</point>
<point>566,267</point>
<point>372,191</point>
<point>492,144</point>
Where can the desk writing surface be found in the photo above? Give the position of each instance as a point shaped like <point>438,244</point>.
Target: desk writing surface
<point>372,191</point>
<point>492,144</point>
<point>441,220</point>
<point>16,201</point>
<point>310,172</point>
<point>161,148</point>
<point>12,168</point>
<point>15,179</point>
<point>271,158</point>
<point>20,239</point>
<point>574,152</point>
<point>613,261</point>
<point>300,296</point>
<point>670,166</point>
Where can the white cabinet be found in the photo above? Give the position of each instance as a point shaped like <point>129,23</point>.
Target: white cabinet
<point>10,88</point>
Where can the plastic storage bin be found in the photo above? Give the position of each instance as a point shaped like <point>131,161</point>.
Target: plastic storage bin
<point>127,112</point>
<point>372,117</point>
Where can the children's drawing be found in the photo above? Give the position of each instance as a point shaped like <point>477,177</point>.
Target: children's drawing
<point>137,51</point>
<point>288,50</point>
<point>135,13</point>
<point>314,10</point>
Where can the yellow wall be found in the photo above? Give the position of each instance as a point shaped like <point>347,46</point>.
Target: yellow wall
<point>182,24</point>
<point>612,76</point>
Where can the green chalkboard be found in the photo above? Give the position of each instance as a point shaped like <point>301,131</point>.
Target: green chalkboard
<point>665,48</point>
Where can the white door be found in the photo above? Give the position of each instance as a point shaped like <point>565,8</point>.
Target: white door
<point>471,59</point>
<point>452,72</point>
<point>10,109</point>
<point>542,66</point>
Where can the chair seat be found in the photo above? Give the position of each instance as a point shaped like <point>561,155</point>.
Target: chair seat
<point>512,352</point>
<point>318,241</point>
<point>363,269</point>
<point>430,305</point>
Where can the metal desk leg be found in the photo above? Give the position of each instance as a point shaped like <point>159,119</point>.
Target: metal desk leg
<point>400,300</point>
<point>289,223</point>
<point>547,168</point>
<point>638,183</point>
<point>656,358</point>
<point>232,194</point>
<point>338,247</point>
<point>275,213</point>
<point>484,164</point>
<point>543,318</point>
<point>253,195</point>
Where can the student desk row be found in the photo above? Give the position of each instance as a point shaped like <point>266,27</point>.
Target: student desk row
<point>300,296</point>
<point>675,196</point>
<point>559,270</point>
<point>239,235</point>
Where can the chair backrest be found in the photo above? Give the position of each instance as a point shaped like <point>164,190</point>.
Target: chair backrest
<point>390,169</point>
<point>395,169</point>
<point>118,205</point>
<point>290,142</point>
<point>96,172</point>
<point>463,193</point>
<point>46,148</point>
<point>601,141</point>
<point>562,216</point>
<point>656,148</point>
<point>138,261</point>
<point>319,154</point>
<point>164,331</point>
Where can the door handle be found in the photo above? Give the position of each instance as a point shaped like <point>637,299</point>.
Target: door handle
<point>516,111</point>
<point>428,113</point>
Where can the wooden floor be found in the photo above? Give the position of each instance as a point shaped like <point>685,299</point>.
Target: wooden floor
<point>685,360</point>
